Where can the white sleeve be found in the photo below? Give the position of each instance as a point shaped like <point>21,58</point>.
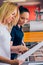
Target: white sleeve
<point>1,41</point>
<point>1,37</point>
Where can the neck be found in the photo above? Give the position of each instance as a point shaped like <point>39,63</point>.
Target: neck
<point>19,25</point>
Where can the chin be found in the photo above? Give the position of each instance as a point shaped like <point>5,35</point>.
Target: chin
<point>9,22</point>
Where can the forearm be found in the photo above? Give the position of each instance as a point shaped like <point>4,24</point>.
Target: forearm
<point>5,60</point>
<point>15,49</point>
<point>18,49</point>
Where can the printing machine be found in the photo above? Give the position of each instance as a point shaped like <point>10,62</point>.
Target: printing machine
<point>33,34</point>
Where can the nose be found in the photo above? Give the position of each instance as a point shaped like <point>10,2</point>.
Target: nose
<point>13,17</point>
<point>24,21</point>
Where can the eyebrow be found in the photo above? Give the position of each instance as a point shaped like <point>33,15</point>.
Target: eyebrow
<point>24,18</point>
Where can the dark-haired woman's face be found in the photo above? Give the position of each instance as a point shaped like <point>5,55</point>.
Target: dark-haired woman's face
<point>23,18</point>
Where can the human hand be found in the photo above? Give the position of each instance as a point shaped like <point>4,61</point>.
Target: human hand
<point>21,62</point>
<point>17,62</point>
<point>23,49</point>
<point>14,62</point>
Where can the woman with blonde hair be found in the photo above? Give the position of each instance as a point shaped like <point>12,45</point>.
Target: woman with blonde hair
<point>8,13</point>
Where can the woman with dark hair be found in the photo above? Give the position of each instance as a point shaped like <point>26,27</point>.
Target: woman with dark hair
<point>17,32</point>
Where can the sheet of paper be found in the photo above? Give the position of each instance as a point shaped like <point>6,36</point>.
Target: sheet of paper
<point>31,51</point>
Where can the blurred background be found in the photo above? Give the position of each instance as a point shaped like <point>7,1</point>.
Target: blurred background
<point>33,5</point>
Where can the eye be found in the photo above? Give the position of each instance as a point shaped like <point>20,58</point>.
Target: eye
<point>13,13</point>
<point>22,18</point>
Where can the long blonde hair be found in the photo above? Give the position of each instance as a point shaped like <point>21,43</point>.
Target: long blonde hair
<point>6,9</point>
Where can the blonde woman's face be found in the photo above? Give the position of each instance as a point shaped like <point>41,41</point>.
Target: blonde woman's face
<point>12,16</point>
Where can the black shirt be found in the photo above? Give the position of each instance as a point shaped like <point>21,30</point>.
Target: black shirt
<point>16,35</point>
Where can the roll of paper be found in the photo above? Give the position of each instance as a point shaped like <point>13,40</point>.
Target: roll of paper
<point>36,26</point>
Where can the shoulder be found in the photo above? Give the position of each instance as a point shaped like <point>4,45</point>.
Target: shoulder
<point>14,28</point>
